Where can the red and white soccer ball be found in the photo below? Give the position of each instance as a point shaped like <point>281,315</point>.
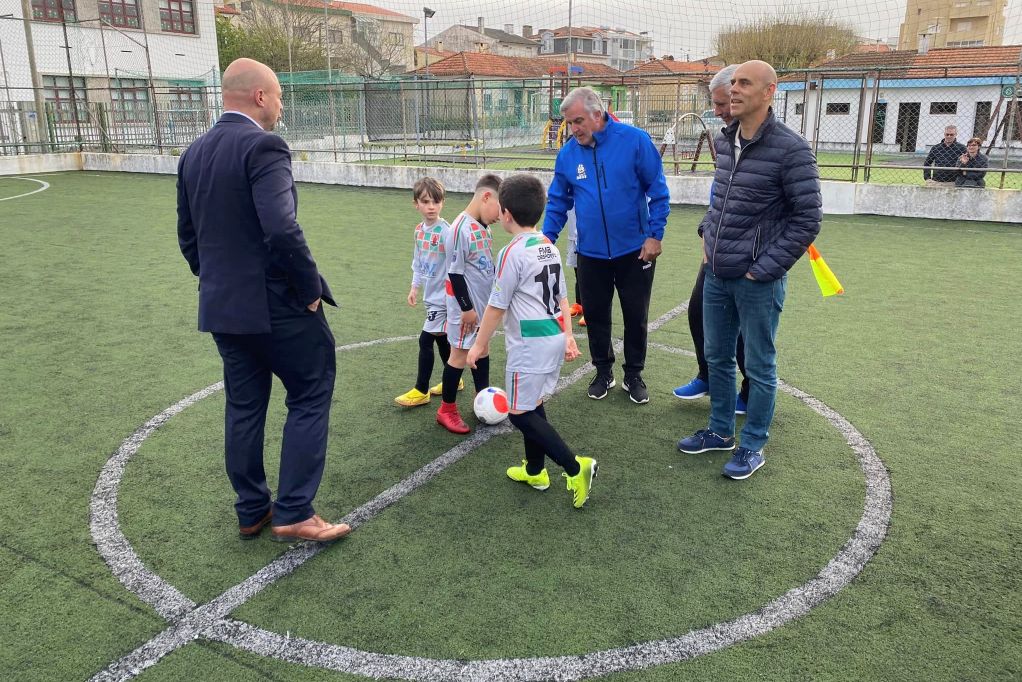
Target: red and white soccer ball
<point>491,405</point>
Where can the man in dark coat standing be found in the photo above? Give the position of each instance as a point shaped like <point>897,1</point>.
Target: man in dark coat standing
<point>260,296</point>
<point>943,154</point>
<point>764,213</point>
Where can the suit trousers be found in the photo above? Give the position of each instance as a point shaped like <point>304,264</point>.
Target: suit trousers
<point>633,280</point>
<point>300,351</point>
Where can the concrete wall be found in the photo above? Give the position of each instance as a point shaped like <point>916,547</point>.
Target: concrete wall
<point>29,164</point>
<point>839,198</point>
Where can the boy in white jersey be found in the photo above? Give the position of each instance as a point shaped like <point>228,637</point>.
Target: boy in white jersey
<point>529,289</point>
<point>469,278</point>
<point>429,271</point>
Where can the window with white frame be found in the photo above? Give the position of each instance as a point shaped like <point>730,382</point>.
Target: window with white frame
<point>548,44</point>
<point>937,108</point>
<point>838,108</point>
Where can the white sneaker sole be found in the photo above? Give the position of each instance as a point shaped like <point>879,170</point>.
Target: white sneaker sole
<point>699,452</point>
<point>742,478</point>
<point>689,397</point>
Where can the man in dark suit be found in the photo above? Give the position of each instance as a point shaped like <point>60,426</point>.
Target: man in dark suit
<point>260,296</point>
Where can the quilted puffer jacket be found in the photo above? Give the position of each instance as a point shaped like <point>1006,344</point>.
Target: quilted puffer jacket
<point>765,206</point>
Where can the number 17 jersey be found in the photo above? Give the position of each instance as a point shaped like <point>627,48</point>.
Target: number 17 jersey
<point>529,286</point>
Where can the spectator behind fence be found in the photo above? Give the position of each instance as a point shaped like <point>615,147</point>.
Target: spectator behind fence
<point>943,154</point>
<point>968,162</point>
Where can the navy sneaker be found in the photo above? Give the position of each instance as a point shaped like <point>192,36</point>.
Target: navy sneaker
<point>696,388</point>
<point>741,407</point>
<point>705,440</point>
<point>743,464</point>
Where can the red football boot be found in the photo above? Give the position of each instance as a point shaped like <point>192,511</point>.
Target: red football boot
<point>449,418</point>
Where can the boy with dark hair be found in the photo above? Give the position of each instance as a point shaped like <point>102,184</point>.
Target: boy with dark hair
<point>469,278</point>
<point>529,288</point>
<point>429,271</point>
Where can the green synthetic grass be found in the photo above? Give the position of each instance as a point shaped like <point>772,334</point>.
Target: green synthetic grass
<point>98,328</point>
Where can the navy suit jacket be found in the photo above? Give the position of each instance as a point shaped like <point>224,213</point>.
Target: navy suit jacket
<point>237,227</point>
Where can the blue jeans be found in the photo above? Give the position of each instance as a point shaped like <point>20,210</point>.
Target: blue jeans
<point>754,308</point>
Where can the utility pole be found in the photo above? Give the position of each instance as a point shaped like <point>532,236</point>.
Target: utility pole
<point>42,130</point>
<point>70,75</point>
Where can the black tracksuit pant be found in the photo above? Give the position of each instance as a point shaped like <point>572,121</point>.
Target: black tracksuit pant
<point>633,279</point>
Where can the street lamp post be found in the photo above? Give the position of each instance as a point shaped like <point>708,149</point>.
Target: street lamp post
<point>427,14</point>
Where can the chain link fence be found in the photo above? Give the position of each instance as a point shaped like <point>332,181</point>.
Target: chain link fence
<point>872,125</point>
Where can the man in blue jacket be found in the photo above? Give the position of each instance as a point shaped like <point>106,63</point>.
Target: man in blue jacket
<point>611,173</point>
<point>764,213</point>
<point>260,295</point>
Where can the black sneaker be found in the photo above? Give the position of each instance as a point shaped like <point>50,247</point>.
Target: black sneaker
<point>600,384</point>
<point>636,388</point>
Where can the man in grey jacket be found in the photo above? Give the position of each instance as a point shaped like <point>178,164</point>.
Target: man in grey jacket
<point>764,213</point>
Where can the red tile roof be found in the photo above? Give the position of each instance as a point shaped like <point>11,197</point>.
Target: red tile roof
<point>226,9</point>
<point>362,8</point>
<point>655,67</point>
<point>489,64</point>
<point>943,62</point>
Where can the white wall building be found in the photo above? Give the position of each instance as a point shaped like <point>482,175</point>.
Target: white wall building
<point>111,67</point>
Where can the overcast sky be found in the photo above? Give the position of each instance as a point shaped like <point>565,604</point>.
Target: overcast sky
<point>679,28</point>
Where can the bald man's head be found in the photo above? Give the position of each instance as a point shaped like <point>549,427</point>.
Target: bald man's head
<point>253,89</point>
<point>752,90</point>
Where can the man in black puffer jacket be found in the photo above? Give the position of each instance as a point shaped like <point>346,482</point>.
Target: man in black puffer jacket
<point>764,213</point>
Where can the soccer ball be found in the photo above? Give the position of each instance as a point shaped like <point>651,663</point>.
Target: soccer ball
<point>491,405</point>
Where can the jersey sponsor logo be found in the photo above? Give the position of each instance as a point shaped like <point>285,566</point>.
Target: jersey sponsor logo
<point>431,315</point>
<point>581,172</point>
<point>545,253</point>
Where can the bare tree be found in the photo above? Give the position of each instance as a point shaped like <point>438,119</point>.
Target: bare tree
<point>283,35</point>
<point>787,40</point>
<point>371,52</point>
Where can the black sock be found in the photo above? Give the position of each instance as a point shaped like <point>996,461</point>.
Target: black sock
<point>534,456</point>
<point>541,411</point>
<point>539,430</point>
<point>444,346</point>
<point>425,362</point>
<point>452,375</point>
<point>481,374</point>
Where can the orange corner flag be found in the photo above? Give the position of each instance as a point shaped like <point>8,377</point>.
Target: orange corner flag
<point>824,277</point>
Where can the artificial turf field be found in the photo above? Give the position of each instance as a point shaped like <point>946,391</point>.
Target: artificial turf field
<point>920,355</point>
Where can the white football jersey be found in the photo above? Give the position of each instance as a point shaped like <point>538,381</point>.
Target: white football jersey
<point>529,286</point>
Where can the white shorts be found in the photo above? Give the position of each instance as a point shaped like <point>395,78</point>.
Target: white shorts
<point>525,392</point>
<point>436,319</point>
<point>455,338</point>
<point>571,257</point>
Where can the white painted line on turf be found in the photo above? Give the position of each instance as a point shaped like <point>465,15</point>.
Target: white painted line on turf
<point>209,620</point>
<point>45,186</point>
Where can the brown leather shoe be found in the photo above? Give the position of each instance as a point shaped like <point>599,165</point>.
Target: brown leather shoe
<point>252,532</point>
<point>314,529</point>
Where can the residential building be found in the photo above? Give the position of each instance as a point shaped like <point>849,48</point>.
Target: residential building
<point>622,50</point>
<point>479,38</point>
<point>137,73</point>
<point>952,23</point>
<point>917,96</point>
<point>359,38</point>
<point>660,91</point>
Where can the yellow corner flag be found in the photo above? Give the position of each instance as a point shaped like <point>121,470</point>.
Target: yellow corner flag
<point>824,277</point>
